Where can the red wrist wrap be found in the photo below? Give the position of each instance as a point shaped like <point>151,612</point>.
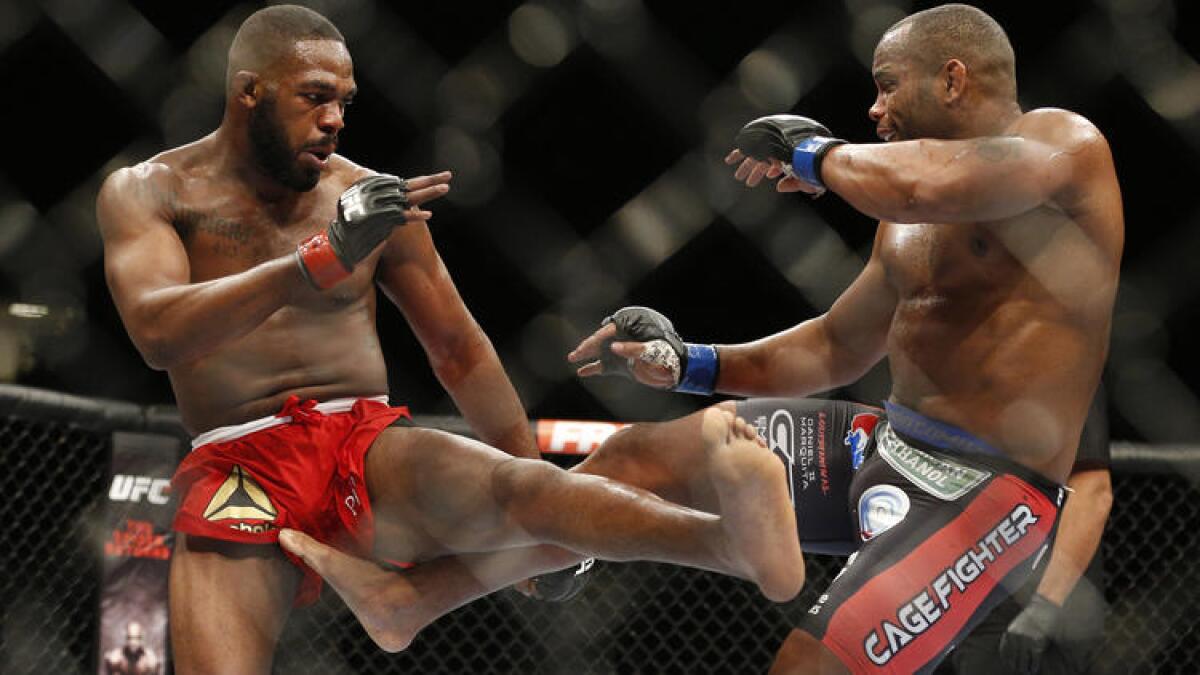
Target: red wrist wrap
<point>319,263</point>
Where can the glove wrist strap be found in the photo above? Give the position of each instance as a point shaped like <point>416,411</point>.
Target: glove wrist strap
<point>807,156</point>
<point>700,374</point>
<point>319,262</point>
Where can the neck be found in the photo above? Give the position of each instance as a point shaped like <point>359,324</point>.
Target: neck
<point>236,157</point>
<point>991,117</point>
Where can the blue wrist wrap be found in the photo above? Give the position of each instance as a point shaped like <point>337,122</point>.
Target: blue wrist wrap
<point>700,376</point>
<point>804,159</point>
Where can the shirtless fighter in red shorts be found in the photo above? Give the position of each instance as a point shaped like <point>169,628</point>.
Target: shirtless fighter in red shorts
<point>245,264</point>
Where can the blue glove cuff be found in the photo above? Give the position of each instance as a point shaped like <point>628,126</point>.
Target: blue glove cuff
<point>805,158</point>
<point>700,375</point>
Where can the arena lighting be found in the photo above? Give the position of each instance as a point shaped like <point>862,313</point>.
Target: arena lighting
<point>28,311</point>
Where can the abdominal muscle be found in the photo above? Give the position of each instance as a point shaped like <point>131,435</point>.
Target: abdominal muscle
<point>317,355</point>
<point>1020,381</point>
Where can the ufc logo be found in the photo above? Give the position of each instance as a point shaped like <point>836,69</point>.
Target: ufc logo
<point>133,488</point>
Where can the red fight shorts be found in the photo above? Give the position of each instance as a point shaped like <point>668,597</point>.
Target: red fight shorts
<point>301,469</point>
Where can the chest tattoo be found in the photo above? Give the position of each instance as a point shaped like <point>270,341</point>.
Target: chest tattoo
<point>230,237</point>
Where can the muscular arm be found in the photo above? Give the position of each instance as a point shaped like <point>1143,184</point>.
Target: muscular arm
<point>829,351</point>
<point>170,320</point>
<point>1079,532</point>
<point>413,276</point>
<point>973,180</point>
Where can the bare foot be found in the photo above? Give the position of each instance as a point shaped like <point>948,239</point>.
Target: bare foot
<point>385,603</point>
<point>756,512</point>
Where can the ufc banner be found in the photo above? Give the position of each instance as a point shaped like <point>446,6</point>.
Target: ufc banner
<point>137,552</point>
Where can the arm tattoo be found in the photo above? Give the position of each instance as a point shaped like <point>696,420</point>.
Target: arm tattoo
<point>996,149</point>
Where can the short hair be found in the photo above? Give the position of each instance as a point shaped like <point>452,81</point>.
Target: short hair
<point>267,36</point>
<point>965,33</point>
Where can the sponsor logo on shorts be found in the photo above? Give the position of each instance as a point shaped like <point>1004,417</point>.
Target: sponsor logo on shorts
<point>133,488</point>
<point>240,497</point>
<point>945,479</point>
<point>880,508</point>
<point>351,501</point>
<point>926,608</point>
<point>781,439</point>
<point>862,426</point>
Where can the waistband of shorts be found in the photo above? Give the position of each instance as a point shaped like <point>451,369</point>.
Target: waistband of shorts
<point>914,425</point>
<point>930,435</point>
<point>234,432</point>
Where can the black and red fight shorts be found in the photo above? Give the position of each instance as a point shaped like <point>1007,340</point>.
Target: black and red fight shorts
<point>301,469</point>
<point>821,444</point>
<point>949,527</point>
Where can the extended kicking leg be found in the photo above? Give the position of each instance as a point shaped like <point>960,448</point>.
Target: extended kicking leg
<point>527,502</point>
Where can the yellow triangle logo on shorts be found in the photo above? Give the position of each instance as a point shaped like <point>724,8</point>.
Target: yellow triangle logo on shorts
<point>241,497</point>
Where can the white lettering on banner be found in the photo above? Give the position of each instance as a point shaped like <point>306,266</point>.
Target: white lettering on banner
<point>132,488</point>
<point>921,612</point>
<point>577,437</point>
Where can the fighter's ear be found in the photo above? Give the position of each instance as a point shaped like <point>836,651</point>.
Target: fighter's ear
<point>246,87</point>
<point>953,81</point>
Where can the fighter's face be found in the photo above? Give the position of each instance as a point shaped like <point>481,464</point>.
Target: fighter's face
<point>905,106</point>
<point>295,124</point>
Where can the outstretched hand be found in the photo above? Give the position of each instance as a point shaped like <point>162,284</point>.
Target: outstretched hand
<point>642,362</point>
<point>752,171</point>
<point>424,189</point>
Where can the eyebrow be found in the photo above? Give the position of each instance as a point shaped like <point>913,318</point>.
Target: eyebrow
<point>326,87</point>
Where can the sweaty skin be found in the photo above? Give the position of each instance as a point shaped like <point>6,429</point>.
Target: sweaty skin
<point>199,256</point>
<point>990,286</point>
<point>318,345</point>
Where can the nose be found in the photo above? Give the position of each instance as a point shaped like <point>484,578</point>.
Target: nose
<point>877,109</point>
<point>332,118</point>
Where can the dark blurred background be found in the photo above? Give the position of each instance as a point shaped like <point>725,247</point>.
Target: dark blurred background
<point>586,140</point>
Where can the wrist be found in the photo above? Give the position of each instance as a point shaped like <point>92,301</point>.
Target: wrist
<point>319,263</point>
<point>701,370</point>
<point>807,157</point>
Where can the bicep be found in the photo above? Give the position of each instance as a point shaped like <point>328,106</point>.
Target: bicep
<point>973,180</point>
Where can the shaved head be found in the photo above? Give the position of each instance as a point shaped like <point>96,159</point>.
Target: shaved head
<point>930,38</point>
<point>269,35</point>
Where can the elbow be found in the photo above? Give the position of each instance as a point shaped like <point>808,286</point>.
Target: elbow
<point>454,357</point>
<point>157,357</point>
<point>157,350</point>
<point>924,200</point>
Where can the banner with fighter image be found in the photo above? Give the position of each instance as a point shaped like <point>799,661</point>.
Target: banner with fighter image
<point>137,551</point>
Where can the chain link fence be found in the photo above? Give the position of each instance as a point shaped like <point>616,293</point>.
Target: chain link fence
<point>632,618</point>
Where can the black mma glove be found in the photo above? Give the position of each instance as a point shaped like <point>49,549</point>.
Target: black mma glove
<point>562,585</point>
<point>1022,644</point>
<point>367,212</point>
<point>693,366</point>
<point>798,142</point>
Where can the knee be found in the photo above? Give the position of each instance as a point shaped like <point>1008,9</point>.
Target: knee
<point>518,483</point>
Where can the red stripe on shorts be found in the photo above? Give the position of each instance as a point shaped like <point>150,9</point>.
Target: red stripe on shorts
<point>882,598</point>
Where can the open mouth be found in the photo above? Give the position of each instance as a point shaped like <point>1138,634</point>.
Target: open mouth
<point>319,154</point>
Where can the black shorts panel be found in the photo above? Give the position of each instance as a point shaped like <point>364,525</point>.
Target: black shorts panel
<point>821,444</point>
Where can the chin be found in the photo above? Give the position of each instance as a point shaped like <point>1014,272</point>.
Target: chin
<point>304,180</point>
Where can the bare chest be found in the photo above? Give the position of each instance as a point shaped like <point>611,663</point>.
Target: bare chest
<point>943,261</point>
<point>228,236</point>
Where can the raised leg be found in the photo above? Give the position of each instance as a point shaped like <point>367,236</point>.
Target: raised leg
<point>228,604</point>
<point>498,502</point>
